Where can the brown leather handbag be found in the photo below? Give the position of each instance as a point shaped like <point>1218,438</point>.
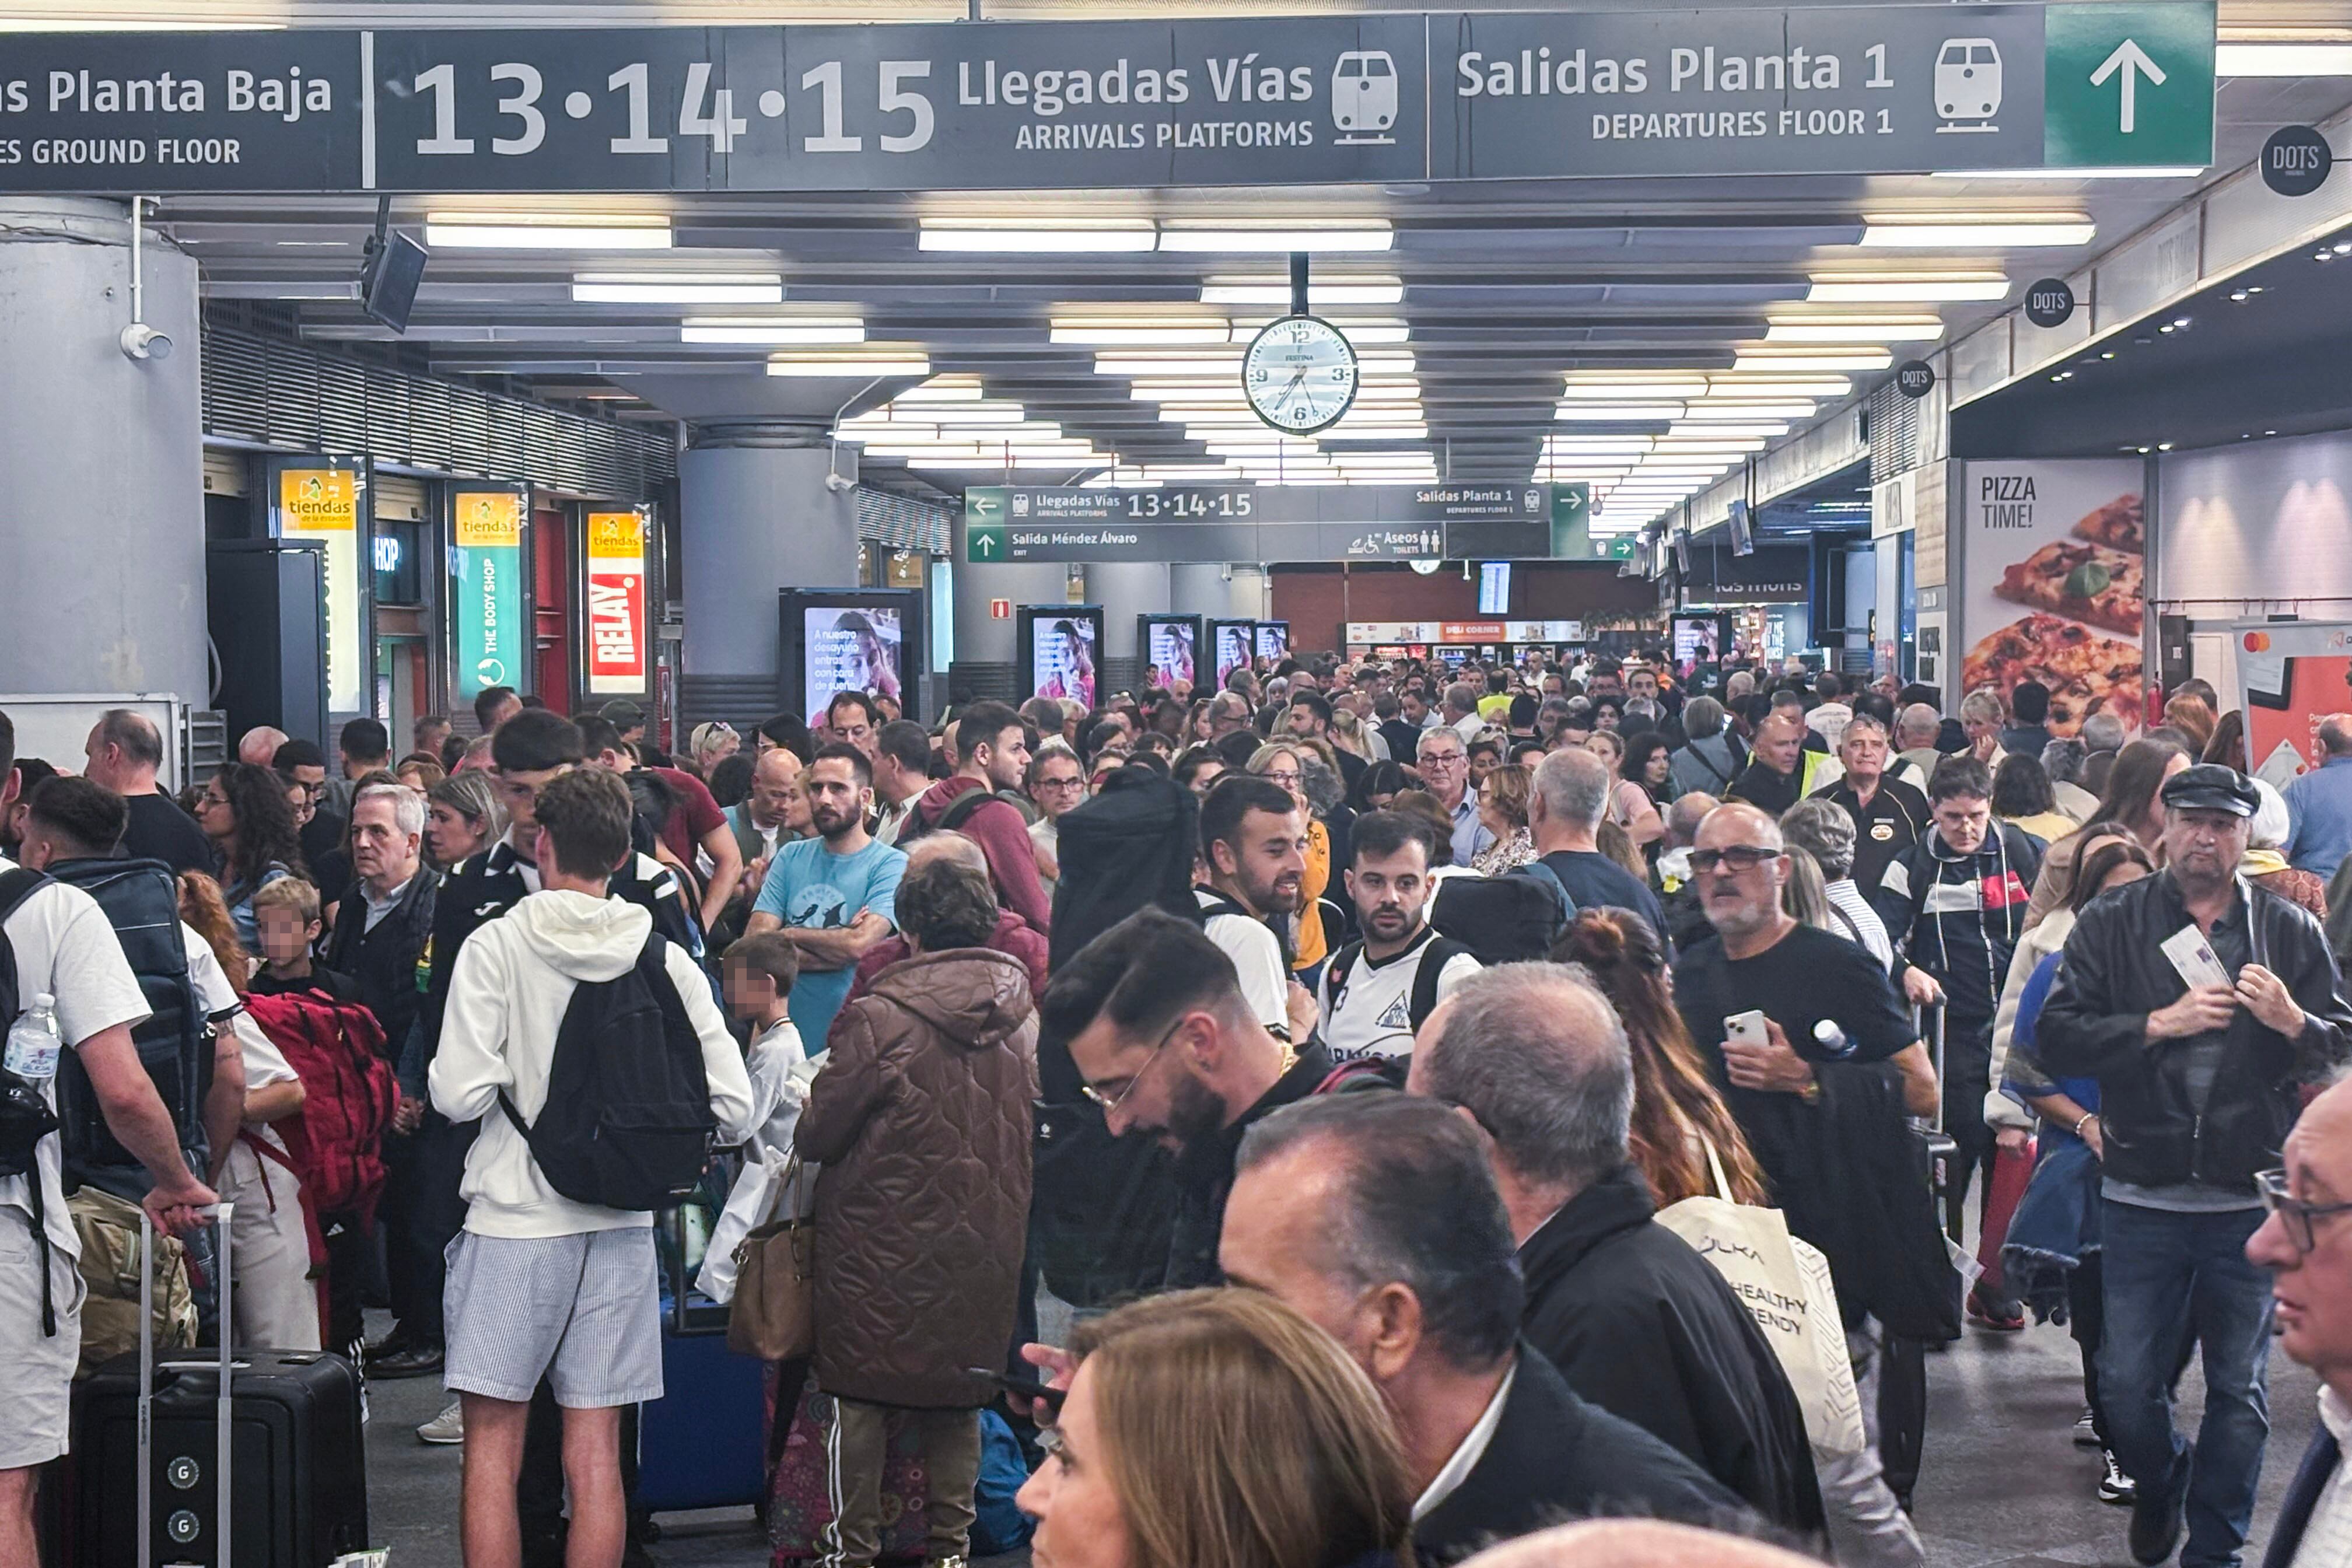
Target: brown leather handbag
<point>773,1315</point>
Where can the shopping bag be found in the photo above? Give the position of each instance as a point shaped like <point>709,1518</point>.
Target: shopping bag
<point>802,1492</point>
<point>773,1313</point>
<point>1785,1285</point>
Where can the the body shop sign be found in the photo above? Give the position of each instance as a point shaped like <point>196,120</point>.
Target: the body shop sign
<point>616,604</point>
<point>487,598</point>
<point>321,506</point>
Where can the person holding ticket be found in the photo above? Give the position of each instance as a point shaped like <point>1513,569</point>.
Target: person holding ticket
<point>2200,1004</point>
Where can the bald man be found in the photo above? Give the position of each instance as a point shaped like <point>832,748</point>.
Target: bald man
<point>259,745</point>
<point>1634,1543</point>
<point>1013,937</point>
<point>2307,1244</point>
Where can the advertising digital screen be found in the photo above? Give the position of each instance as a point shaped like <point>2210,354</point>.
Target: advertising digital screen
<point>1172,646</point>
<point>1231,642</point>
<point>1061,651</point>
<point>1274,640</point>
<point>851,640</point>
<point>1698,637</point>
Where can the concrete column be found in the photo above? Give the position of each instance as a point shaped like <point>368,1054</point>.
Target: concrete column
<point>755,515</point>
<point>1201,590</point>
<point>101,459</point>
<point>988,660</point>
<point>1126,591</point>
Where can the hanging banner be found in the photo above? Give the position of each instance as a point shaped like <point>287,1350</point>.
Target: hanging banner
<point>485,599</point>
<point>2291,676</point>
<point>2051,584</point>
<point>616,604</point>
<point>322,506</point>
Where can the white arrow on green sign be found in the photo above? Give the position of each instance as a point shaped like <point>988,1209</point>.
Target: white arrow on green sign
<point>2128,85</point>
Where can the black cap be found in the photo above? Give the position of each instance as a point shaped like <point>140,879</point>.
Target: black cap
<point>2210,786</point>
<point>623,714</point>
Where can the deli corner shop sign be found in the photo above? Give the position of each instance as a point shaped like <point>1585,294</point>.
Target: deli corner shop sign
<point>1194,100</point>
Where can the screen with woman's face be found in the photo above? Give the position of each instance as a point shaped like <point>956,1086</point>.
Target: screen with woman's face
<point>1062,657</point>
<point>1171,650</point>
<point>852,650</point>
<point>1233,649</point>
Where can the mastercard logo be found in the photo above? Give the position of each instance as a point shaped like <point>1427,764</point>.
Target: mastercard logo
<point>2258,642</point>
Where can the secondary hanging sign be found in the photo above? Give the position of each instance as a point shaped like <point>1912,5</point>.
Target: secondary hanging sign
<point>487,597</point>
<point>616,604</point>
<point>1252,522</point>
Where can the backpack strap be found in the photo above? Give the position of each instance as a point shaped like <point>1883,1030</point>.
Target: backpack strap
<point>1336,971</point>
<point>1537,870</point>
<point>962,809</point>
<point>16,885</point>
<point>1440,951</point>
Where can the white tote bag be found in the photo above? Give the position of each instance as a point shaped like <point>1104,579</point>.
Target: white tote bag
<point>1785,1285</point>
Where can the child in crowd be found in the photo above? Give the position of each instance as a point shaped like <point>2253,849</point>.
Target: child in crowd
<point>759,976</point>
<point>285,915</point>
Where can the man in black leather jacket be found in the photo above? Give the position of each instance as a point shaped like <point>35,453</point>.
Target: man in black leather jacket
<point>2200,1004</point>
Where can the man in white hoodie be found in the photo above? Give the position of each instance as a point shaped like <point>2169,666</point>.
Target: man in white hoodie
<point>542,1285</point>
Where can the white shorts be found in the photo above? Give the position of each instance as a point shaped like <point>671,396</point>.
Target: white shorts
<point>582,1311</point>
<point>35,1369</point>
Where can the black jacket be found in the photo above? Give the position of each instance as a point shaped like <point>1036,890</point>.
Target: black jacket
<point>1642,1326</point>
<point>1555,1459</point>
<point>2095,1024</point>
<point>1205,1175</point>
<point>382,963</point>
<point>1959,916</point>
<point>2303,1495</point>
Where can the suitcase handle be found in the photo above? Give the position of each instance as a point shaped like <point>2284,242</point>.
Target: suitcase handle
<point>222,1214</point>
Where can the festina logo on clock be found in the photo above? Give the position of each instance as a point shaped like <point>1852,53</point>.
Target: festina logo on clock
<point>1300,373</point>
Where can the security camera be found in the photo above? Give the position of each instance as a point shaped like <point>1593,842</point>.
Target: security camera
<point>141,340</point>
<point>838,484</point>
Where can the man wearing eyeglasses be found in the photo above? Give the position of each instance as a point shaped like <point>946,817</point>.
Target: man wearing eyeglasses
<point>2200,1004</point>
<point>1153,1018</point>
<point>2306,1243</point>
<point>1445,759</point>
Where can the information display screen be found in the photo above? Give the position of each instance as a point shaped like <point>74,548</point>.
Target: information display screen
<point>1274,640</point>
<point>1061,651</point>
<point>1232,642</point>
<point>1172,646</point>
<point>851,640</point>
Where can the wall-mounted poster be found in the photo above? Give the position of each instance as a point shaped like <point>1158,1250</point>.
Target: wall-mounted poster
<point>1061,651</point>
<point>322,504</point>
<point>617,661</point>
<point>2290,675</point>
<point>1172,646</point>
<point>2053,569</point>
<point>850,639</point>
<point>1231,641</point>
<point>493,622</point>
<point>1274,640</point>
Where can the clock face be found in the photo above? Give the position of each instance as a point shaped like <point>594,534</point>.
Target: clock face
<point>1300,375</point>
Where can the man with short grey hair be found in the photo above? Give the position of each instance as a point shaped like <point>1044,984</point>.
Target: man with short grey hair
<point>1820,826</point>
<point>1888,813</point>
<point>124,752</point>
<point>1444,764</point>
<point>1564,812</point>
<point>1375,1216</point>
<point>1916,729</point>
<point>2319,803</point>
<point>2062,759</point>
<point>1635,1320</point>
<point>1461,710</point>
<point>1712,757</point>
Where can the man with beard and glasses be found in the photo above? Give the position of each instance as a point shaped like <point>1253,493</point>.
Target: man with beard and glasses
<point>1377,990</point>
<point>2202,1004</point>
<point>834,895</point>
<point>1169,1045</point>
<point>1254,850</point>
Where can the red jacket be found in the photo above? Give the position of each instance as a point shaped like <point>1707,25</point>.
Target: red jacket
<point>1002,834</point>
<point>1013,937</point>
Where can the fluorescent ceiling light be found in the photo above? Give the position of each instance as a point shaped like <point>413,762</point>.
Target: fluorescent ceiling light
<point>1634,391</point>
<point>678,288</point>
<point>1714,432</point>
<point>1358,333</point>
<point>1071,236</point>
<point>1343,432</point>
<point>2150,171</point>
<point>2283,59</point>
<point>1609,413</point>
<point>941,390</point>
<point>1251,291</point>
<point>547,231</point>
<point>871,367</point>
<point>1078,330</point>
<point>921,416</point>
<point>777,331</point>
<point>2004,230</point>
<point>1361,236</point>
<point>1893,288</point>
<point>1856,361</point>
<point>1853,330</point>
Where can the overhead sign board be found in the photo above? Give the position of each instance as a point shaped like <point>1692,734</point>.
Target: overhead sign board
<point>1250,523</point>
<point>1237,101</point>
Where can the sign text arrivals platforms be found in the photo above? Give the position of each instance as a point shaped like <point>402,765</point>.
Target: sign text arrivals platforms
<point>1245,522</point>
<point>1064,105</point>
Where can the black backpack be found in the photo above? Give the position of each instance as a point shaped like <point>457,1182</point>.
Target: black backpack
<point>1510,919</point>
<point>959,811</point>
<point>25,1115</point>
<point>1440,951</point>
<point>1130,848</point>
<point>628,1122</point>
<point>141,899</point>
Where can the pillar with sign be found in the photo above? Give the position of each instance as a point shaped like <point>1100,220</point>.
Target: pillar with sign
<point>489,619</point>
<point>101,460</point>
<point>615,608</point>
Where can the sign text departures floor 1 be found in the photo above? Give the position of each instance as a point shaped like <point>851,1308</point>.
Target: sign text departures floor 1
<point>1072,105</point>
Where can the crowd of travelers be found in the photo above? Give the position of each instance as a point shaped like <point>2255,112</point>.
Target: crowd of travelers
<point>1367,1115</point>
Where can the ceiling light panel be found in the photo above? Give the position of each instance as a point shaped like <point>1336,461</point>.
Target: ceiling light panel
<point>547,231</point>
<point>1978,230</point>
<point>1042,238</point>
<point>1807,330</point>
<point>678,288</point>
<point>1282,241</point>
<point>775,331</point>
<point>1276,291</point>
<point>1897,289</point>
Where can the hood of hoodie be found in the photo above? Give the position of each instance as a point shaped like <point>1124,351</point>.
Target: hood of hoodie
<point>588,938</point>
<point>974,998</point>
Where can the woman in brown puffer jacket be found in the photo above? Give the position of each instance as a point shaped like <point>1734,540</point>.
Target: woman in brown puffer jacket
<point>920,1120</point>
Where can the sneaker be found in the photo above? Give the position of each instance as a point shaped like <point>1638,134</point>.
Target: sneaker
<point>409,1360</point>
<point>2114,1487</point>
<point>2156,1523</point>
<point>2086,1431</point>
<point>2003,1315</point>
<point>449,1426</point>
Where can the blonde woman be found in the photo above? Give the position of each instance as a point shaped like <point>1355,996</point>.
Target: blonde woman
<point>1503,808</point>
<point>1218,1429</point>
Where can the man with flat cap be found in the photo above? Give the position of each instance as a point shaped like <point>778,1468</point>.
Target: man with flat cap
<point>2201,1004</point>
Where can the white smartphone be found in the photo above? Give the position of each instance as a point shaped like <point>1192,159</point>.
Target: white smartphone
<point>1747,1029</point>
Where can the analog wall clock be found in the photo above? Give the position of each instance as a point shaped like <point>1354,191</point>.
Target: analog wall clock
<point>1300,373</point>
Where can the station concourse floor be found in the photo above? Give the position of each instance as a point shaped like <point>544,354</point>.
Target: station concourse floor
<point>2003,1482</point>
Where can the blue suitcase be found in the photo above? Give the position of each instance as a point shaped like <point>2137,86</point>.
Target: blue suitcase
<point>703,1444</point>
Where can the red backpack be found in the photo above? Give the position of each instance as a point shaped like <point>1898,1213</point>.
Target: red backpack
<point>348,1094</point>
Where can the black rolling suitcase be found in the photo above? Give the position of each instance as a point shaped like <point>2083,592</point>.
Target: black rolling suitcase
<point>255,1461</point>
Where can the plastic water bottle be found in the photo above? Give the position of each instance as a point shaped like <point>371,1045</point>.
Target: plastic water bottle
<point>34,1043</point>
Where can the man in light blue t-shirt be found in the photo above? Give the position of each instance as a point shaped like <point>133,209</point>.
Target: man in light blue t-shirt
<point>834,895</point>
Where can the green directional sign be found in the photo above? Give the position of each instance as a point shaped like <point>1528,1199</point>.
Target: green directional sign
<point>986,542</point>
<point>2128,85</point>
<point>1571,528</point>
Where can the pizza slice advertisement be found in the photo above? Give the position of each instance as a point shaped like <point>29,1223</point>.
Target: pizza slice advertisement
<point>2118,525</point>
<point>2087,581</point>
<point>2084,671</point>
